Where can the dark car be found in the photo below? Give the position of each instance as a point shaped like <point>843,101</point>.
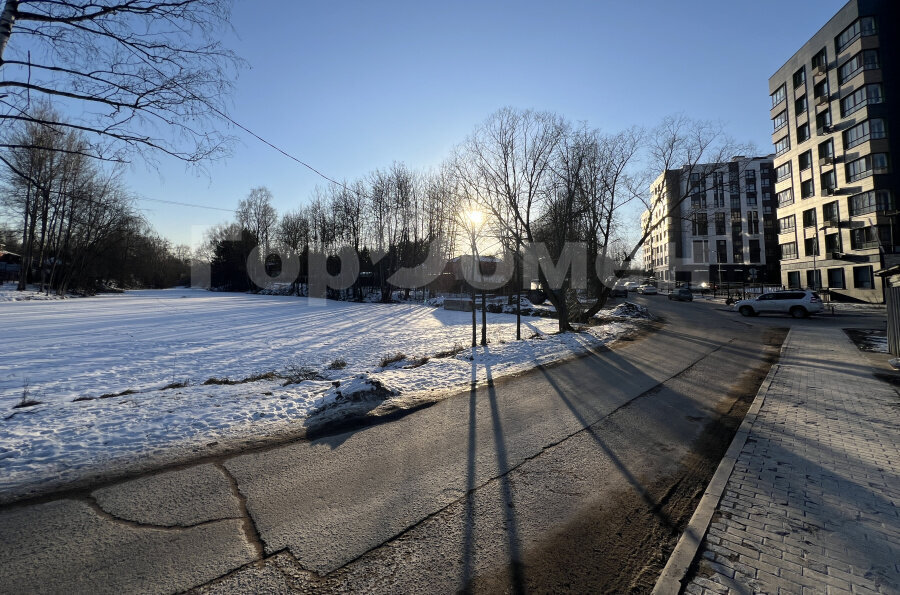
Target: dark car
<point>682,294</point>
<point>618,291</point>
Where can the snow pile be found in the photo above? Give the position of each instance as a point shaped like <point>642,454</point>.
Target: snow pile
<point>629,310</point>
<point>148,377</point>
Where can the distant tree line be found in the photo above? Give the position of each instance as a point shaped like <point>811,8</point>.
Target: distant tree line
<point>532,177</point>
<point>77,226</point>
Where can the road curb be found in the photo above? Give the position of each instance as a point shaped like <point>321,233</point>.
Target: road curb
<point>670,581</point>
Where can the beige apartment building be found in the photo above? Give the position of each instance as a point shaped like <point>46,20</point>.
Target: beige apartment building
<point>835,131</point>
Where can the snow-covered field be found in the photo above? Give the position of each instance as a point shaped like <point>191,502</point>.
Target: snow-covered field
<point>99,368</point>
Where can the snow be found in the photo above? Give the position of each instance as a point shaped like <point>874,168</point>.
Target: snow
<point>119,378</point>
<point>8,293</point>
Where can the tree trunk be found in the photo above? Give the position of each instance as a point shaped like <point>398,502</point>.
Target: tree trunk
<point>7,19</point>
<point>474,320</point>
<point>483,318</point>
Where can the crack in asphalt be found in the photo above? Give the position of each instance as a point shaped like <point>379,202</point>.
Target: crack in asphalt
<point>94,505</point>
<point>586,429</point>
<point>251,532</point>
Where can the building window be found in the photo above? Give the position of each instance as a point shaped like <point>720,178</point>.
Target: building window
<point>820,92</point>
<point>832,242</point>
<point>799,77</point>
<point>783,171</point>
<point>722,251</point>
<point>836,279</point>
<point>813,278</point>
<point>755,255</point>
<point>823,122</point>
<point>701,251</point>
<point>869,94</point>
<point>811,246</point>
<point>698,200</point>
<point>864,238</point>
<point>800,106</point>
<point>699,224</point>
<point>720,223</point>
<point>830,212</point>
<point>876,163</point>
<point>782,146</point>
<point>829,183</point>
<point>802,133</point>
<point>780,120</point>
<point>820,62</point>
<point>737,252</point>
<point>753,222</point>
<point>788,250</point>
<point>809,218</point>
<point>785,197</point>
<point>751,199</point>
<point>793,279</point>
<point>861,26</point>
<point>778,96</point>
<point>865,60</point>
<point>871,201</point>
<point>805,160</point>
<point>826,152</point>
<point>864,131</point>
<point>786,224</point>
<point>807,189</point>
<point>863,278</point>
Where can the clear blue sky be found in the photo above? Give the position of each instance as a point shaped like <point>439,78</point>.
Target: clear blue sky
<point>353,86</point>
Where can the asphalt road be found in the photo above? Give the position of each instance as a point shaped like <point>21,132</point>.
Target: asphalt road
<point>566,478</point>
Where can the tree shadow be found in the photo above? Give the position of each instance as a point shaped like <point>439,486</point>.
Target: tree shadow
<point>516,565</point>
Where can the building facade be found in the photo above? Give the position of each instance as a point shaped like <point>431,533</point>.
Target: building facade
<point>835,131</point>
<point>718,224</point>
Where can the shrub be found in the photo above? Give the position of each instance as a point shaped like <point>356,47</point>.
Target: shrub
<point>338,364</point>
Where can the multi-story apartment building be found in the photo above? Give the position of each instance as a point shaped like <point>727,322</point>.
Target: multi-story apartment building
<point>718,224</point>
<point>836,129</point>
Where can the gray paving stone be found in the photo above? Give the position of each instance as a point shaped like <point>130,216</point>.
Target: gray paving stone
<point>812,503</point>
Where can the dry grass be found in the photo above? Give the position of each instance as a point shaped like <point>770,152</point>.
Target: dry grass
<point>392,359</point>
<point>455,350</point>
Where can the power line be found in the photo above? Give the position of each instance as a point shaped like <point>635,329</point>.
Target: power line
<point>185,204</point>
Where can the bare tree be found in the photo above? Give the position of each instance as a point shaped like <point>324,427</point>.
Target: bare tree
<point>143,76</point>
<point>257,215</point>
<point>505,166</point>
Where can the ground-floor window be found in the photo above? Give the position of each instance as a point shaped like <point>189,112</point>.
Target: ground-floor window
<point>813,278</point>
<point>863,278</point>
<point>836,279</point>
<point>793,279</point>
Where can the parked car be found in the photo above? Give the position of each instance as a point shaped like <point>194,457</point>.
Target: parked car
<point>647,290</point>
<point>682,294</point>
<point>799,303</point>
<point>632,285</point>
<point>618,291</point>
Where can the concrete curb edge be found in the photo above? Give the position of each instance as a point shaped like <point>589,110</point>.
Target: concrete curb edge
<point>670,581</point>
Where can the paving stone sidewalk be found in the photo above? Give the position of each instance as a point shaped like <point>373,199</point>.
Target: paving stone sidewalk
<point>813,502</point>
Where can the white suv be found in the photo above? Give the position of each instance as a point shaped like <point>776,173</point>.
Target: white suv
<point>799,303</point>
